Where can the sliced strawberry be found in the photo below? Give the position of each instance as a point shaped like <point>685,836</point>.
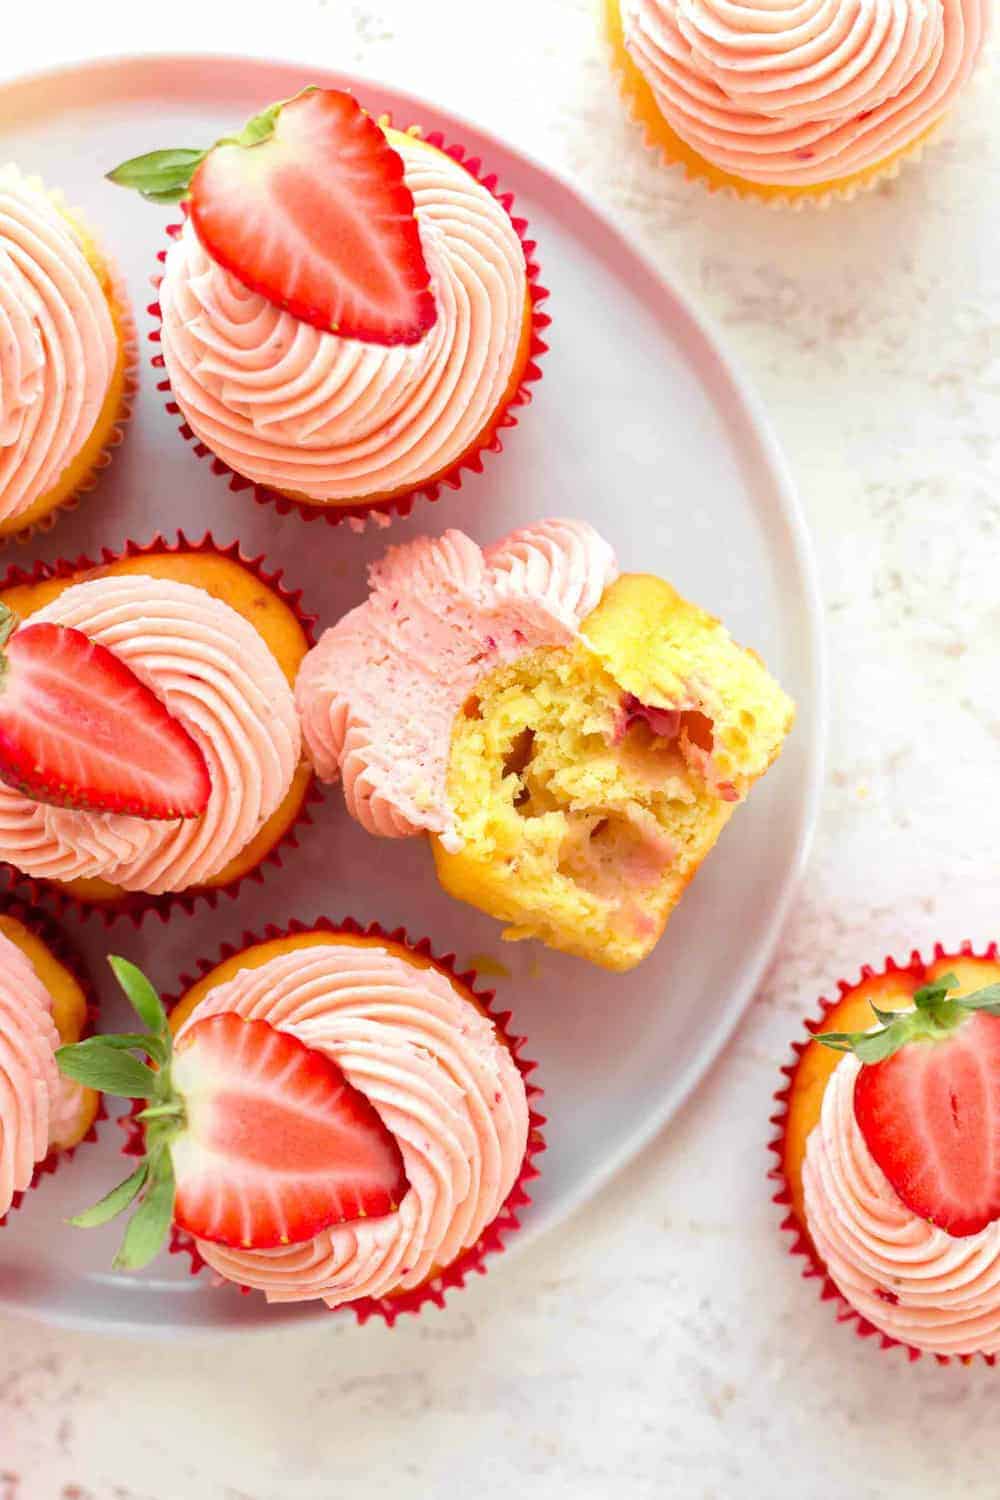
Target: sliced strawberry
<point>930,1114</point>
<point>78,729</point>
<point>316,217</point>
<point>277,1145</point>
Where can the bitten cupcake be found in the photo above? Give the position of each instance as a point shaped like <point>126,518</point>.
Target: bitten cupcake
<point>335,1116</point>
<point>347,312</point>
<point>149,743</point>
<point>67,349</point>
<point>887,1153</point>
<point>574,742</point>
<point>43,1006</point>
<point>793,101</point>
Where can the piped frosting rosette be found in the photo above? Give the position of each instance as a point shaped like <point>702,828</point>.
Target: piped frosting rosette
<point>42,1115</point>
<point>447,1079</point>
<point>347,429</point>
<point>794,97</point>
<point>379,693</point>
<point>64,338</point>
<point>218,677</point>
<point>891,1274</point>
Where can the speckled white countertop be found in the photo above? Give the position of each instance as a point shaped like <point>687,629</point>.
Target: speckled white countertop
<point>661,1344</point>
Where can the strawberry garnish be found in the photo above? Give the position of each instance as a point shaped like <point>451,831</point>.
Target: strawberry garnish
<point>308,206</point>
<point>78,729</point>
<point>927,1101</point>
<point>253,1139</point>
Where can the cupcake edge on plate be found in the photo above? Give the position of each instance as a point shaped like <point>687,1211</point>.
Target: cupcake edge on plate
<point>443,703</point>
<point>238,592</point>
<point>355,424</point>
<point>46,1001</point>
<point>652,47</point>
<point>428,1063</point>
<point>846,1156</point>
<point>61,293</point>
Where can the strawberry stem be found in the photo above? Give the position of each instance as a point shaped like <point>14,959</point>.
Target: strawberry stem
<point>9,622</point>
<point>932,1018</point>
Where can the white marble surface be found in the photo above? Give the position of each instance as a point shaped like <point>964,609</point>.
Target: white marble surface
<point>662,1343</point>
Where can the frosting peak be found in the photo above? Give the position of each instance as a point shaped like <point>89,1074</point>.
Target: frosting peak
<point>798,92</point>
<point>379,693</point>
<point>443,1083</point>
<point>916,1283</point>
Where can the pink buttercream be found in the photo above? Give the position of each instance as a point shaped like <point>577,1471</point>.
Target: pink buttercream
<point>217,676</point>
<point>333,419</point>
<point>378,695</point>
<point>798,92</point>
<point>31,1097</point>
<point>57,343</point>
<point>443,1084</point>
<point>916,1283</point>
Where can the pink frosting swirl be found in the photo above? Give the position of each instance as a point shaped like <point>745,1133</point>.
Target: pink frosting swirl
<point>916,1283</point>
<point>217,676</point>
<point>379,693</point>
<point>57,343</point>
<point>443,1084</point>
<point>333,419</point>
<point>798,92</point>
<point>30,1085</point>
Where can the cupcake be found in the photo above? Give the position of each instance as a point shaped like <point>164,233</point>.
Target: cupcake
<point>66,355</point>
<point>573,741</point>
<point>335,1116</point>
<point>347,311</point>
<point>793,102</point>
<point>149,743</point>
<point>43,1006</point>
<point>887,1153</point>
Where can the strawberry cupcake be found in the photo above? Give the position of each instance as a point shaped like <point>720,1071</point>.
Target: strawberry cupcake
<point>67,354</point>
<point>573,742</point>
<point>44,1005</point>
<point>333,1115</point>
<point>348,312</point>
<point>887,1154</point>
<point>793,102</point>
<point>149,743</point>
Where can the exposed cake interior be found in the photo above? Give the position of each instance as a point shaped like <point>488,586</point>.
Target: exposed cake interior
<point>588,782</point>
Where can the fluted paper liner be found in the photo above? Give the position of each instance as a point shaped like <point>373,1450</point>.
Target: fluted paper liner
<point>491,1242</point>
<point>137,905</point>
<point>800,1243</point>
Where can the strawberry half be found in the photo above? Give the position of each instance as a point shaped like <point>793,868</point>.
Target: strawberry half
<point>79,730</point>
<point>253,1139</point>
<point>277,1145</point>
<point>308,206</point>
<point>927,1101</point>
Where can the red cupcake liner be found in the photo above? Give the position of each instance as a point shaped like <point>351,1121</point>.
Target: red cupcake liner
<point>381,512</point>
<point>137,905</point>
<point>491,1242</point>
<point>800,1243</point>
<point>54,938</point>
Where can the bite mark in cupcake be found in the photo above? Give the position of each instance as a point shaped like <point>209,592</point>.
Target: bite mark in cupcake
<point>573,742</point>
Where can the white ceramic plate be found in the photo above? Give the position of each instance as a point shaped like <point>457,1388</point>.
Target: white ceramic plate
<point>641,426</point>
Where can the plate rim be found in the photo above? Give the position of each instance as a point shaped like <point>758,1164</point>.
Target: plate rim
<point>678,1092</point>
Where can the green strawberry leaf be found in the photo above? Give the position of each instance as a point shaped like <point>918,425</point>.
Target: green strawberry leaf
<point>933,1016</point>
<point>115,1202</point>
<point>161,176</point>
<point>141,995</point>
<point>261,127</point>
<point>98,1065</point>
<point>986,999</point>
<point>930,995</point>
<point>149,1226</point>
